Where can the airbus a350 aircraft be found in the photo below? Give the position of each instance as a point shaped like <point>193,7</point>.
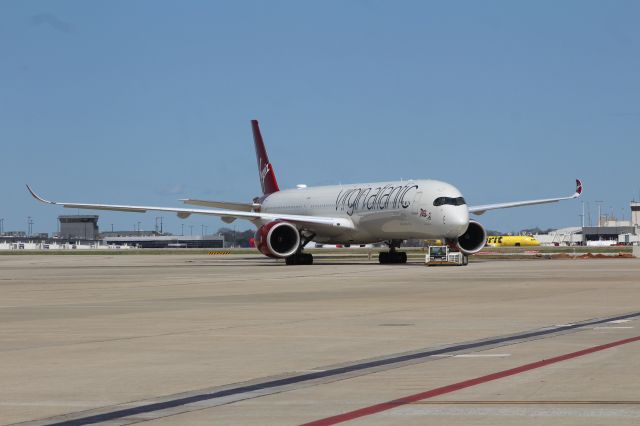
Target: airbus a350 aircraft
<point>344,214</point>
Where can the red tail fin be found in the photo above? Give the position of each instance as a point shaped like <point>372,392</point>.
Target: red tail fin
<point>265,170</point>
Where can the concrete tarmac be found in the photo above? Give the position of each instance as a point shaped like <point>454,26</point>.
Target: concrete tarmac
<point>196,339</point>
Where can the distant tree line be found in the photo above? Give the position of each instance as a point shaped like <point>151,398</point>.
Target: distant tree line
<point>536,230</point>
<point>236,238</point>
<point>527,231</point>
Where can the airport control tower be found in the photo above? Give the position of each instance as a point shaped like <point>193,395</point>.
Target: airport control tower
<point>635,213</point>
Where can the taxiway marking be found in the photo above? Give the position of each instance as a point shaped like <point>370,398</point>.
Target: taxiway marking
<point>474,355</point>
<point>153,408</point>
<point>610,328</point>
<point>373,409</point>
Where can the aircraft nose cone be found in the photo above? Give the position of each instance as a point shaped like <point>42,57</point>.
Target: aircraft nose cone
<point>457,221</point>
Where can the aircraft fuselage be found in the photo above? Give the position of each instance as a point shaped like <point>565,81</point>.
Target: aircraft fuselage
<point>379,211</point>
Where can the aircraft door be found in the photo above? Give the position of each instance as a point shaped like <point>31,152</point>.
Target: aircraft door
<point>415,205</point>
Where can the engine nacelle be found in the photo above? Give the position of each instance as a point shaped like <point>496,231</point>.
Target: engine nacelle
<point>277,239</point>
<point>473,239</point>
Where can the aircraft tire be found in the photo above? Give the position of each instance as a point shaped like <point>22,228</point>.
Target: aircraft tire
<point>396,257</point>
<point>300,259</point>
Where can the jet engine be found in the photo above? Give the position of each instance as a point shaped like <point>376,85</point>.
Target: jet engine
<point>473,239</point>
<point>277,239</point>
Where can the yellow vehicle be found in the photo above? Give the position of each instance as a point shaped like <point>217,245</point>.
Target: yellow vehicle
<point>512,241</point>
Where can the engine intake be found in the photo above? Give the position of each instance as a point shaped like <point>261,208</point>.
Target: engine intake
<point>277,239</point>
<point>473,240</point>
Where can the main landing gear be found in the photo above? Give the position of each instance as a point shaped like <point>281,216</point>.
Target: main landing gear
<point>393,256</point>
<point>300,258</point>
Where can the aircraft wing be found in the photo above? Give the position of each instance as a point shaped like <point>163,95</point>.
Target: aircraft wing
<point>483,208</point>
<point>246,207</point>
<point>224,214</point>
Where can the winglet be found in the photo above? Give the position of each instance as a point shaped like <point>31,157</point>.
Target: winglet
<point>39,198</point>
<point>578,188</point>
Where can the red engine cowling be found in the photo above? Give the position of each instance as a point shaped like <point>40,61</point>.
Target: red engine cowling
<point>472,241</point>
<point>277,239</point>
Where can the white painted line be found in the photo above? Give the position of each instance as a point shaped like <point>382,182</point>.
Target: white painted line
<point>54,403</point>
<point>472,356</point>
<point>564,325</point>
<point>481,355</point>
<point>619,321</point>
<point>610,328</point>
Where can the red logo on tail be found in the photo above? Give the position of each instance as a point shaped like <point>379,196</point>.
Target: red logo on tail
<point>265,170</point>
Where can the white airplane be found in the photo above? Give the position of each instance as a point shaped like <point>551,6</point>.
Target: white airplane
<point>343,214</point>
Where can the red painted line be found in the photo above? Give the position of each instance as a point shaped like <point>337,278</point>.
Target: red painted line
<point>366,411</point>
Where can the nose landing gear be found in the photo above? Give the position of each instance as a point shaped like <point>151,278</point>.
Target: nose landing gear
<point>393,256</point>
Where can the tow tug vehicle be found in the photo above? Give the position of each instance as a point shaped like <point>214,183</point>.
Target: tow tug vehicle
<point>442,256</point>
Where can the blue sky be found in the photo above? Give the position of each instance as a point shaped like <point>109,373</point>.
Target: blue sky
<point>147,102</point>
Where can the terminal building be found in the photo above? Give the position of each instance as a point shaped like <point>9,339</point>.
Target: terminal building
<point>164,241</point>
<point>78,227</point>
<point>85,227</point>
<point>571,236</point>
<point>609,231</point>
<point>81,231</point>
<point>72,228</point>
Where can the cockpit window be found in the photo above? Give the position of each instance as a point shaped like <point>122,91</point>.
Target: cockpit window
<point>441,201</point>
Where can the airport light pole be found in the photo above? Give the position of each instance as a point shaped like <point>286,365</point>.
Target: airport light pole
<point>2,226</point>
<point>599,203</point>
<point>159,228</point>
<point>182,232</point>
